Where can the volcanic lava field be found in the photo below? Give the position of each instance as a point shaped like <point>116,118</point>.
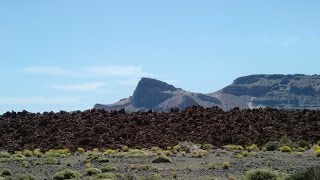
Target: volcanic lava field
<point>101,129</point>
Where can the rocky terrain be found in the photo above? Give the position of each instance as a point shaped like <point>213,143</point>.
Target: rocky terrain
<point>277,91</point>
<point>102,129</point>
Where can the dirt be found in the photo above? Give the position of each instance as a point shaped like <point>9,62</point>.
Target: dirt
<point>185,167</point>
<point>102,129</point>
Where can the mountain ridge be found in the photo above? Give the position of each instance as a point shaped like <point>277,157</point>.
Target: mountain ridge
<point>292,91</point>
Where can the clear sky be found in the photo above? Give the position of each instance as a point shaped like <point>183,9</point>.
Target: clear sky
<point>70,54</point>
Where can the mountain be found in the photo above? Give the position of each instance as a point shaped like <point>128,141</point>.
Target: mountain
<point>160,96</point>
<point>296,91</point>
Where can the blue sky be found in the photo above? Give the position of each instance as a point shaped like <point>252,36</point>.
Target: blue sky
<point>69,55</point>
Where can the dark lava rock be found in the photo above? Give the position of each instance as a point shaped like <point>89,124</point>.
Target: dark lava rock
<point>102,129</point>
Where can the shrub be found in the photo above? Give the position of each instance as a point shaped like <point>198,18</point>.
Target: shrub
<point>252,147</point>
<point>262,174</point>
<point>285,141</point>
<point>273,146</point>
<point>103,160</point>
<point>25,177</point>
<point>93,171</point>
<point>109,168</point>
<point>207,147</point>
<point>177,147</point>
<point>299,154</point>
<point>125,148</point>
<point>5,172</point>
<point>199,153</point>
<point>51,161</point>
<point>211,166</point>
<point>106,176</point>
<point>300,149</point>
<point>240,156</point>
<point>311,174</point>
<point>285,149</point>
<point>225,165</point>
<point>317,152</point>
<point>81,150</point>
<point>4,154</point>
<point>58,152</point>
<point>162,159</point>
<point>167,152</point>
<point>37,153</point>
<point>18,157</point>
<point>109,152</point>
<point>233,147</point>
<point>245,153</point>
<point>144,167</point>
<point>232,178</point>
<point>67,174</point>
<point>302,144</point>
<point>27,153</point>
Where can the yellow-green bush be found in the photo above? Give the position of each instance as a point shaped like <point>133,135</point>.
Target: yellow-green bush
<point>80,150</point>
<point>37,153</point>
<point>161,159</point>
<point>93,171</point>
<point>252,147</point>
<point>225,165</point>
<point>285,149</point>
<point>27,153</point>
<point>67,174</point>
<point>317,152</point>
<point>233,147</point>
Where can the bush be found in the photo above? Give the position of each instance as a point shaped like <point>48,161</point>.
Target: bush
<point>199,153</point>
<point>58,152</point>
<point>317,152</point>
<point>177,147</point>
<point>233,147</point>
<point>162,159</point>
<point>245,153</point>
<point>240,156</point>
<point>4,154</point>
<point>27,153</point>
<point>80,150</point>
<point>207,147</point>
<point>108,152</point>
<point>103,160</point>
<point>109,168</point>
<point>144,167</point>
<point>37,153</point>
<point>67,174</point>
<point>5,172</point>
<point>106,176</point>
<point>299,154</point>
<point>300,149</point>
<point>25,177</point>
<point>51,161</point>
<point>285,149</point>
<point>311,174</point>
<point>302,144</point>
<point>273,146</point>
<point>93,171</point>
<point>262,174</point>
<point>225,165</point>
<point>252,147</point>
<point>211,166</point>
<point>18,157</point>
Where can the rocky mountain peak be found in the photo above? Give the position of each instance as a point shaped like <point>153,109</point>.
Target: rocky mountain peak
<point>150,92</point>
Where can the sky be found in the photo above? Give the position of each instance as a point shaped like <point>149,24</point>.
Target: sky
<point>69,55</point>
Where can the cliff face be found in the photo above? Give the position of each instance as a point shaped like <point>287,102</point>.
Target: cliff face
<point>278,91</point>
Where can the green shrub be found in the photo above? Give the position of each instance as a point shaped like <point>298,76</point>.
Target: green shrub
<point>80,150</point>
<point>4,154</point>
<point>103,160</point>
<point>199,153</point>
<point>67,174</point>
<point>207,147</point>
<point>311,174</point>
<point>285,149</point>
<point>240,156</point>
<point>162,159</point>
<point>211,166</point>
<point>285,141</point>
<point>300,149</point>
<point>37,153</point>
<point>177,147</point>
<point>262,174</point>
<point>58,152</point>
<point>108,152</point>
<point>18,157</point>
<point>5,172</point>
<point>225,165</point>
<point>317,152</point>
<point>93,171</point>
<point>109,168</point>
<point>252,147</point>
<point>27,153</point>
<point>299,154</point>
<point>302,144</point>
<point>144,167</point>
<point>106,176</point>
<point>273,146</point>
<point>245,153</point>
<point>51,161</point>
<point>25,177</point>
<point>125,148</point>
<point>233,147</point>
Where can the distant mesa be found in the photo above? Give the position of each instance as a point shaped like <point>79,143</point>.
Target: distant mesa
<point>296,91</point>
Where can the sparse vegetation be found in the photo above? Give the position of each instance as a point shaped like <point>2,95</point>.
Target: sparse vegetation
<point>37,153</point>
<point>211,166</point>
<point>144,167</point>
<point>80,150</point>
<point>67,174</point>
<point>27,153</point>
<point>5,172</point>
<point>162,159</point>
<point>263,174</point>
<point>311,174</point>
<point>199,153</point>
<point>58,153</point>
<point>252,147</point>
<point>109,168</point>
